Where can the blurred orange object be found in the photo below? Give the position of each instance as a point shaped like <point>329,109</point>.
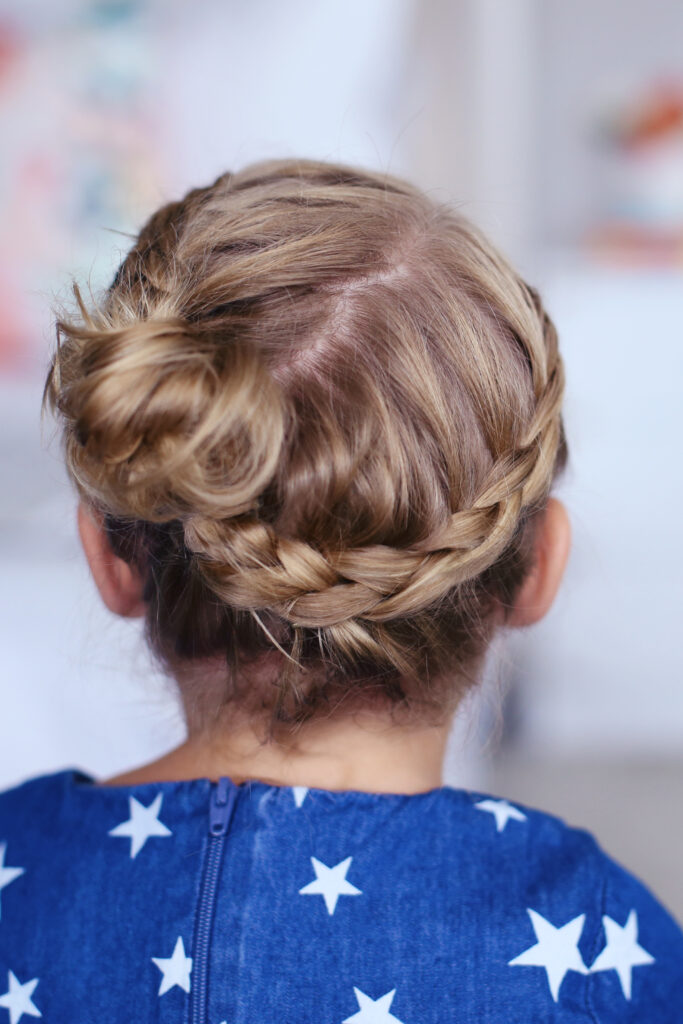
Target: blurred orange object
<point>641,186</point>
<point>660,114</point>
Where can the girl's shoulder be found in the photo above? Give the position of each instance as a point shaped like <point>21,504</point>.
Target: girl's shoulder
<point>586,913</point>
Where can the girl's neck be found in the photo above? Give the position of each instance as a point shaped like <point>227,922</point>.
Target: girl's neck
<point>363,752</point>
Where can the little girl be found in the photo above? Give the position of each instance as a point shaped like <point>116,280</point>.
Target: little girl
<point>314,424</point>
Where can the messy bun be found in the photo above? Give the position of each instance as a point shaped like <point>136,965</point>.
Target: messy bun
<point>319,413</point>
<point>165,424</point>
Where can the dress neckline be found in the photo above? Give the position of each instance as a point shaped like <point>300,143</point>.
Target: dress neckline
<point>81,780</point>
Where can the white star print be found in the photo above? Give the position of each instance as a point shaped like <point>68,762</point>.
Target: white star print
<point>373,1011</point>
<point>17,999</point>
<point>299,794</point>
<point>330,883</point>
<point>142,824</point>
<point>175,969</point>
<point>7,875</point>
<point>622,952</point>
<point>556,950</point>
<point>502,812</point>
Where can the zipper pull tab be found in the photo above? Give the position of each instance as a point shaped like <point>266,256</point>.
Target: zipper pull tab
<point>221,807</point>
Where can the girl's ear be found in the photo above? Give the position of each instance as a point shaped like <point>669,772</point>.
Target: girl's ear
<point>120,586</point>
<point>551,550</point>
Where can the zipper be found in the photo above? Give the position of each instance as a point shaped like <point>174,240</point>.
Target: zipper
<point>221,809</point>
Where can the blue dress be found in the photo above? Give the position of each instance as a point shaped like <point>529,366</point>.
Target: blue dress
<point>205,903</point>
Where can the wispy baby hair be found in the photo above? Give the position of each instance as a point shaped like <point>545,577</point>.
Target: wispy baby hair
<point>319,413</point>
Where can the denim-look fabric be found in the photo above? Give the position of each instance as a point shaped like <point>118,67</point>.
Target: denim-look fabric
<point>118,906</point>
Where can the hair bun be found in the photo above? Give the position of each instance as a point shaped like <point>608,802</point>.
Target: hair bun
<point>163,420</point>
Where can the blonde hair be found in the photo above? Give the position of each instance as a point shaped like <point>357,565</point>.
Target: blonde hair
<point>319,412</point>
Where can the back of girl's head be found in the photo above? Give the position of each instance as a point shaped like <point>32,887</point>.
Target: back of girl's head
<point>319,413</point>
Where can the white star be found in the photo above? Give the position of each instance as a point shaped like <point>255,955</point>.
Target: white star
<point>622,952</point>
<point>330,883</point>
<point>142,824</point>
<point>502,812</point>
<point>373,1011</point>
<point>175,969</point>
<point>17,999</point>
<point>299,794</point>
<point>7,875</point>
<point>556,950</point>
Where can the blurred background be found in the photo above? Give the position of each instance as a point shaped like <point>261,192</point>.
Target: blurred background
<point>557,127</point>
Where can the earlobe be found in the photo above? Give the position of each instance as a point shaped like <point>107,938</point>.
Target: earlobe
<point>119,585</point>
<point>552,544</point>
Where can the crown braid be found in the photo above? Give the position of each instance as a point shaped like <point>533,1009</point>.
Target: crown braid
<point>258,569</point>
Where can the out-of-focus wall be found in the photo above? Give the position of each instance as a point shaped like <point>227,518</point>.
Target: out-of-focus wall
<point>263,80</point>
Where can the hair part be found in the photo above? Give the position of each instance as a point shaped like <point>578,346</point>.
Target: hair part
<point>320,414</point>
